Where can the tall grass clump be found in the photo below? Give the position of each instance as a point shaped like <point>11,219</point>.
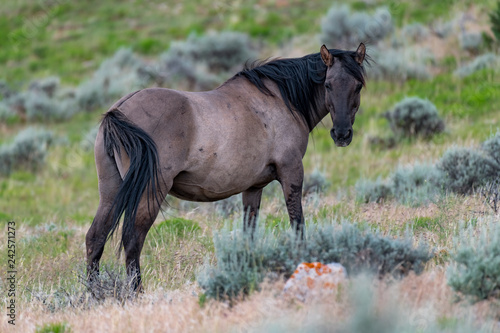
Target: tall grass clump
<point>341,28</point>
<point>415,117</point>
<point>488,60</point>
<point>203,61</point>
<point>116,76</point>
<point>475,270</point>
<point>242,261</point>
<point>465,170</point>
<point>27,151</point>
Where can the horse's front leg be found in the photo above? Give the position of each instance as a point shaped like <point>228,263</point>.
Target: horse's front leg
<point>291,177</point>
<point>251,204</point>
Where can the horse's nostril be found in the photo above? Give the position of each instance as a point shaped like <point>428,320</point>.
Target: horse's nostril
<point>349,134</point>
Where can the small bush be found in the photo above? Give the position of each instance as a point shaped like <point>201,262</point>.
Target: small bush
<point>465,170</point>
<point>27,151</point>
<point>43,100</point>
<point>373,191</point>
<point>243,261</point>
<point>414,117</point>
<point>471,41</point>
<point>200,60</point>
<point>341,28</point>
<point>492,147</point>
<point>416,185</point>
<point>399,64</point>
<point>89,138</point>
<point>415,32</point>
<point>488,60</point>
<point>116,77</point>
<point>316,182</point>
<point>491,194</point>
<point>495,21</point>
<point>476,268</point>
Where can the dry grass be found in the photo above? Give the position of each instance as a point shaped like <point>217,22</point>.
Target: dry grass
<point>417,301</point>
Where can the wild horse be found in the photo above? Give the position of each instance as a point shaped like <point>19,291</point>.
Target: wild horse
<point>207,146</point>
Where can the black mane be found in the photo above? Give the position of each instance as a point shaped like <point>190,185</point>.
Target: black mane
<point>298,79</point>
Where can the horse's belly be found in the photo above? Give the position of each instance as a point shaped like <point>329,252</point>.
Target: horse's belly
<point>213,186</point>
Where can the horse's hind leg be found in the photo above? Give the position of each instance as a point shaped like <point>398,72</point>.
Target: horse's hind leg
<point>147,212</point>
<point>251,204</point>
<point>109,183</point>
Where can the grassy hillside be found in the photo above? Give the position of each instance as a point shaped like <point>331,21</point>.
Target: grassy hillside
<point>53,205</point>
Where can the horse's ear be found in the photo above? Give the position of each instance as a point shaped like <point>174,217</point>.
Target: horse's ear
<point>360,53</point>
<point>326,56</point>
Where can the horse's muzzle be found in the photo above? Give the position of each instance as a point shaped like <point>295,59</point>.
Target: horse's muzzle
<point>342,138</point>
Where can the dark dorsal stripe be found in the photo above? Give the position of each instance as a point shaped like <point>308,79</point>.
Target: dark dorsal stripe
<point>298,79</point>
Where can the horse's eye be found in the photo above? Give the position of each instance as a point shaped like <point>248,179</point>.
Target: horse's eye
<point>328,86</point>
<point>358,87</point>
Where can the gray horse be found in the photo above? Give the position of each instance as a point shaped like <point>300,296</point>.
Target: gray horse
<point>207,146</point>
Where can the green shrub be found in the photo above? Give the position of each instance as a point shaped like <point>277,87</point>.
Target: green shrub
<point>495,21</point>
<point>414,117</point>
<point>54,328</point>
<point>476,268</point>
<point>341,28</point>
<point>487,60</point>
<point>373,191</point>
<point>242,261</point>
<point>465,170</point>
<point>27,151</point>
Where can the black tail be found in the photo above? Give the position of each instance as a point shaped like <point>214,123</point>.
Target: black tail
<point>142,174</point>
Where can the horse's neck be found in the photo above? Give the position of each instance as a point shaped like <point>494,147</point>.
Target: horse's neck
<point>244,86</point>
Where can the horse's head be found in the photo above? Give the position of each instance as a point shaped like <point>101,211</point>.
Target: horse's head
<point>342,92</point>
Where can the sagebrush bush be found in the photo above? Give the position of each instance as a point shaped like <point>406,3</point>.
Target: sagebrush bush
<point>492,147</point>
<point>415,32</point>
<point>471,41</point>
<point>465,169</point>
<point>116,77</point>
<point>341,28</point>
<point>413,117</point>
<point>88,140</point>
<point>373,191</point>
<point>315,182</point>
<point>416,185</point>
<point>43,100</point>
<point>488,60</point>
<point>200,60</point>
<point>476,262</point>
<point>27,151</point>
<point>399,64</point>
<point>242,261</point>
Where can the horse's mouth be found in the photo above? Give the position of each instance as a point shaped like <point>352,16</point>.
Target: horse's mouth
<point>342,143</point>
